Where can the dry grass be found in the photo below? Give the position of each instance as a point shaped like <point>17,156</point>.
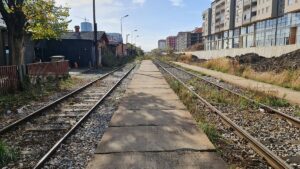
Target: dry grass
<point>185,58</point>
<point>287,78</point>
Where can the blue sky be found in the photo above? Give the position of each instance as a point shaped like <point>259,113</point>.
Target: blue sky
<point>154,19</point>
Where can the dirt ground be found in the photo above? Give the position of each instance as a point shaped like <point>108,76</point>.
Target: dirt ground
<point>289,61</point>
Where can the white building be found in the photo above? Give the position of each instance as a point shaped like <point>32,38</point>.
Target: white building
<point>162,44</point>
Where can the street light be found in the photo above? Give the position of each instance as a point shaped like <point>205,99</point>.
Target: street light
<point>127,38</point>
<point>95,35</point>
<point>122,31</point>
<point>132,40</point>
<point>135,42</point>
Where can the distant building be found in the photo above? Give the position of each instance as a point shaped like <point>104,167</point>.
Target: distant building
<point>183,41</point>
<point>171,42</point>
<point>196,36</point>
<point>162,44</point>
<point>86,27</point>
<point>115,43</point>
<point>77,47</point>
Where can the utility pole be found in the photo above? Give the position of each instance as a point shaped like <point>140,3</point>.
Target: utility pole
<point>132,40</point>
<point>122,32</point>
<point>95,36</point>
<point>127,38</point>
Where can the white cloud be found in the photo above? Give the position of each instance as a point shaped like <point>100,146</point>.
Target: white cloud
<point>139,2</point>
<point>177,2</point>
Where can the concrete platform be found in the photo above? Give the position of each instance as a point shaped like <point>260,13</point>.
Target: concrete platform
<point>152,129</point>
<point>158,160</point>
<point>125,118</point>
<point>153,139</point>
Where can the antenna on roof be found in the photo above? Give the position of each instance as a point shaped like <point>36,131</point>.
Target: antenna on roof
<point>85,19</point>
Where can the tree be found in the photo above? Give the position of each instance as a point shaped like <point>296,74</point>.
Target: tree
<point>38,18</point>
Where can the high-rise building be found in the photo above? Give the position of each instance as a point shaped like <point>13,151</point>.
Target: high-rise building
<point>183,41</point>
<point>222,15</point>
<point>291,6</point>
<point>162,44</point>
<point>251,23</point>
<point>171,43</point>
<point>196,36</point>
<point>206,26</point>
<point>86,27</point>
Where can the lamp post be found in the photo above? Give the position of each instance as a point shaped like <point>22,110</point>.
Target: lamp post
<point>127,38</point>
<point>122,32</point>
<point>135,42</point>
<point>132,40</point>
<point>95,35</point>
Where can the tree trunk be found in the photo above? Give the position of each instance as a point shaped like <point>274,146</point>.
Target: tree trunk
<point>16,46</point>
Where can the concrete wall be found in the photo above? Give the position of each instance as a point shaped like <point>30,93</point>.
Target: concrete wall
<point>263,51</point>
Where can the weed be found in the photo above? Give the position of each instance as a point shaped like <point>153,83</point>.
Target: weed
<point>210,131</point>
<point>6,154</point>
<point>33,93</point>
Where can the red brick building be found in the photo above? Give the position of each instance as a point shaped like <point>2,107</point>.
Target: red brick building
<point>171,42</point>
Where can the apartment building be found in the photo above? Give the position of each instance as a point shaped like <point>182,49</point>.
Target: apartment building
<point>256,23</point>
<point>162,44</point>
<point>291,6</point>
<point>222,15</point>
<point>171,42</point>
<point>196,36</point>
<point>206,25</point>
<point>183,41</point>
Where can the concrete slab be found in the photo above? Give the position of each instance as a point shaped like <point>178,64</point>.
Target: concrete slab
<point>152,103</point>
<point>153,130</point>
<point>155,95</point>
<point>148,83</point>
<point>147,80</point>
<point>152,86</point>
<point>148,72</point>
<point>150,91</point>
<point>147,77</point>
<point>124,117</point>
<point>158,160</point>
<point>153,138</point>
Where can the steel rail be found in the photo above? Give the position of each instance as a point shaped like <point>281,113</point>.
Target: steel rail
<point>262,150</point>
<point>53,149</point>
<point>48,106</point>
<point>293,120</point>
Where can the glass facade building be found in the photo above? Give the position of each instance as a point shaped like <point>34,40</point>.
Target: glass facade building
<point>284,30</point>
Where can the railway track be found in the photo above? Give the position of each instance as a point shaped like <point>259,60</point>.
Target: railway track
<point>275,139</point>
<point>39,134</point>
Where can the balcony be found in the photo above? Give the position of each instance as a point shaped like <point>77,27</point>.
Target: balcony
<point>247,3</point>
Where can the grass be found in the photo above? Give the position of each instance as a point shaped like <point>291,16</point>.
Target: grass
<point>286,78</point>
<point>33,93</point>
<point>6,154</point>
<point>210,130</point>
<point>191,102</point>
<point>267,98</point>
